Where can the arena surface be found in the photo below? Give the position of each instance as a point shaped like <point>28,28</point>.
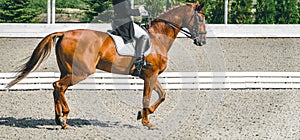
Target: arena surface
<point>186,114</point>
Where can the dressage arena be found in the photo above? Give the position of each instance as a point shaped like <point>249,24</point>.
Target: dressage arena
<point>186,114</point>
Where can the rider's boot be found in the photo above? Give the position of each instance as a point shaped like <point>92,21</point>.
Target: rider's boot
<point>140,48</point>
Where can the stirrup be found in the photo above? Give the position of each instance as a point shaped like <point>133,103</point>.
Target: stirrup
<point>140,65</point>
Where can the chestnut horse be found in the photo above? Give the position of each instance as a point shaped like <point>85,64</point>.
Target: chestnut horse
<point>80,52</point>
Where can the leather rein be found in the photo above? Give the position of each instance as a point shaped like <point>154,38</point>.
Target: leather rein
<point>186,33</point>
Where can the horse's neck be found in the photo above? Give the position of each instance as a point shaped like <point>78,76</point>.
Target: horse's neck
<point>164,32</point>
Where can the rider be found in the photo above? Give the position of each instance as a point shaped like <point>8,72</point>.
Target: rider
<point>124,26</point>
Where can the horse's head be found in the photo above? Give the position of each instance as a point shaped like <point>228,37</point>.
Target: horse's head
<point>190,16</point>
<point>195,22</point>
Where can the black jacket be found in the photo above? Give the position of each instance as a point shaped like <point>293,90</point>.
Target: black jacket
<point>122,22</point>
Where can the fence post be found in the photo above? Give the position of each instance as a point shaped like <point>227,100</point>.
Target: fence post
<point>53,11</point>
<point>48,11</point>
<point>226,12</point>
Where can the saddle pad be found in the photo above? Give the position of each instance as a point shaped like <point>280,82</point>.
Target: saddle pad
<point>126,49</point>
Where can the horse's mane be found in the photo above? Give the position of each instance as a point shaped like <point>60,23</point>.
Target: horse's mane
<point>167,12</point>
<point>173,8</point>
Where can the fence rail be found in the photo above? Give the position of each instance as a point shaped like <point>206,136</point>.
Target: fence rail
<point>169,80</point>
<point>213,30</point>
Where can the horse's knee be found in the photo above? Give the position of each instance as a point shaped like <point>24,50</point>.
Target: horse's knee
<point>56,86</point>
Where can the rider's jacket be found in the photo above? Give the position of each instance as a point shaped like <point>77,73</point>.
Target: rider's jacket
<point>122,22</point>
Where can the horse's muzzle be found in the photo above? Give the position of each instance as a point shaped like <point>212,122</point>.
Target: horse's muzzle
<point>199,41</point>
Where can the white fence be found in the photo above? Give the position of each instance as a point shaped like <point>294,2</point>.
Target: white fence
<point>169,80</point>
<point>213,30</point>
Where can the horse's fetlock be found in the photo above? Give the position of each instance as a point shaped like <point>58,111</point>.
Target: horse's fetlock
<point>58,87</point>
<point>163,98</point>
<point>54,84</point>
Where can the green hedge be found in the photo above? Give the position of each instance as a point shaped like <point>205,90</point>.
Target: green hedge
<point>286,12</point>
<point>17,11</point>
<point>246,12</point>
<point>265,12</point>
<point>214,10</point>
<point>240,11</point>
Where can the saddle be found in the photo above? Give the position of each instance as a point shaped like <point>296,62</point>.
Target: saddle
<point>128,49</point>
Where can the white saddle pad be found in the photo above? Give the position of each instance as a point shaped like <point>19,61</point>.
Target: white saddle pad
<point>129,48</point>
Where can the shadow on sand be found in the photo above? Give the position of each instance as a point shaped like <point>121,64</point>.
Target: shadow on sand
<point>50,125</point>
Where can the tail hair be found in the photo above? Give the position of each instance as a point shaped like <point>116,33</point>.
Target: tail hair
<point>40,53</point>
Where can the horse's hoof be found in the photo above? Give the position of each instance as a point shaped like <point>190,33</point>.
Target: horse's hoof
<point>63,123</point>
<point>149,126</point>
<point>139,116</point>
<point>60,121</point>
<point>65,126</point>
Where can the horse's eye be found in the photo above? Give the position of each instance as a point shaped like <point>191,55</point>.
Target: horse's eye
<point>202,13</point>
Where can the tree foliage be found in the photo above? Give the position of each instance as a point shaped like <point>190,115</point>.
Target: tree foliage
<point>241,12</point>
<point>265,12</point>
<point>80,4</point>
<point>18,11</point>
<point>94,8</point>
<point>214,10</point>
<point>155,8</point>
<point>287,11</point>
<point>40,5</point>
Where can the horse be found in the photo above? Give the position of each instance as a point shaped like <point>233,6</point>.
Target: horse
<point>80,52</point>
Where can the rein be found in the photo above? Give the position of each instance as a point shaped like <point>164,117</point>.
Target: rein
<point>186,33</point>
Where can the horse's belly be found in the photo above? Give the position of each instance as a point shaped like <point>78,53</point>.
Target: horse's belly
<point>119,65</point>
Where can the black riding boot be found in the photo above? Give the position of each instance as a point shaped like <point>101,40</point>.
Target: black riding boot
<point>140,48</point>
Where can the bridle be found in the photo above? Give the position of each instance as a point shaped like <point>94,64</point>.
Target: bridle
<point>195,33</point>
<point>197,21</point>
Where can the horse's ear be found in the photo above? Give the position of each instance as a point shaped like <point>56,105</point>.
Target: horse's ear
<point>199,6</point>
<point>202,5</point>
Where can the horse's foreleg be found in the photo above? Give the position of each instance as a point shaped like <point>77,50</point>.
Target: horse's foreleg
<point>149,85</point>
<point>161,96</point>
<point>60,102</point>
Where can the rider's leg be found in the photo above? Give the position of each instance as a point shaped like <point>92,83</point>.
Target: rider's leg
<point>140,48</point>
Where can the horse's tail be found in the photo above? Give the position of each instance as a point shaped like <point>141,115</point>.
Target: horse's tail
<point>40,53</point>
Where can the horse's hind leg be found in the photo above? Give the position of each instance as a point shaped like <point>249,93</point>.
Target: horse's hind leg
<point>60,103</point>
